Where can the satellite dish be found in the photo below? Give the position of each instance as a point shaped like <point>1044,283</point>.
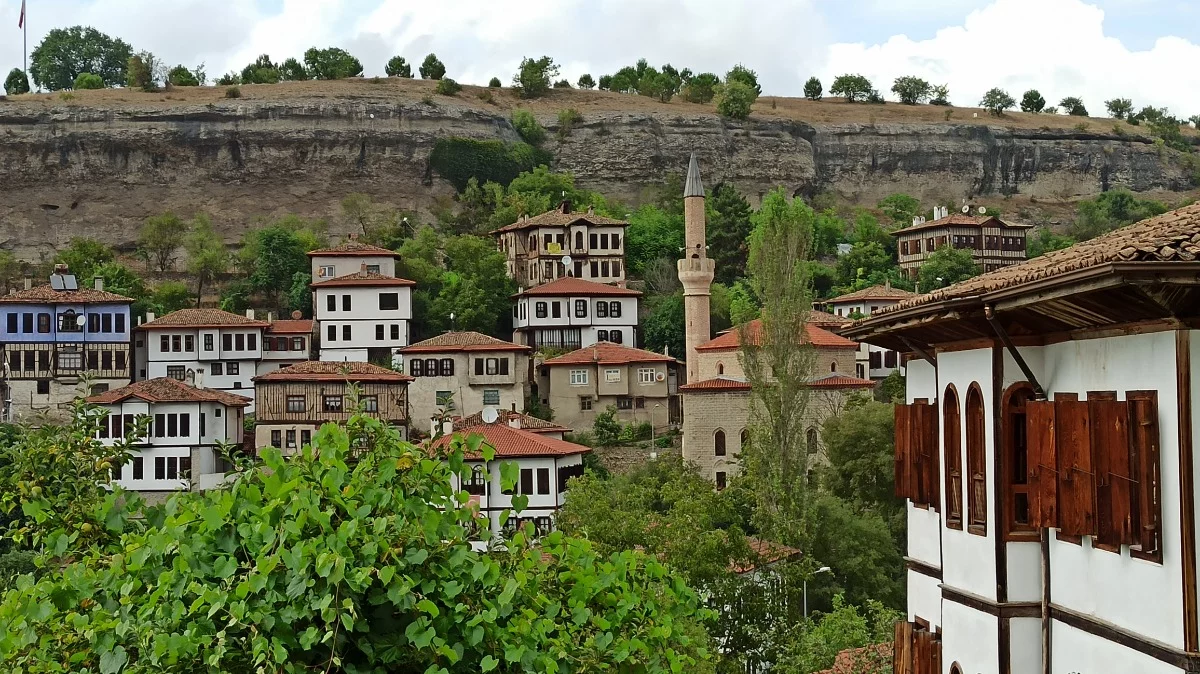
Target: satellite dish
<point>982,210</point>
<point>966,209</point>
<point>566,260</point>
<point>490,415</point>
<point>81,320</point>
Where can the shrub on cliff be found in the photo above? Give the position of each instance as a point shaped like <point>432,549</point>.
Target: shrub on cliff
<point>16,82</point>
<point>1074,106</point>
<point>432,68</point>
<point>460,159</point>
<point>851,87</point>
<point>261,71</point>
<point>331,64</point>
<point>939,94</point>
<point>447,87</point>
<point>494,83</point>
<point>179,76</point>
<point>533,77</point>
<point>1119,108</point>
<point>143,72</point>
<point>585,81</point>
<point>701,88</point>
<point>740,73</point>
<point>88,81</point>
<point>911,90</point>
<point>292,70</point>
<point>398,67</point>
<point>734,100</point>
<point>528,127</point>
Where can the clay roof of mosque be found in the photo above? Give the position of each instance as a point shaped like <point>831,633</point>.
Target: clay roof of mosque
<point>815,335</point>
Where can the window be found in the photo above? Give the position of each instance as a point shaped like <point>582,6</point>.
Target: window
<point>208,342</point>
<point>345,333</point>
<point>443,398</point>
<point>1014,464</point>
<point>539,309</point>
<point>585,403</point>
<point>29,360</point>
<point>43,322</point>
<point>614,309</point>
<point>616,267</point>
<point>176,343</point>
<point>614,336</point>
<point>325,271</point>
<point>719,443</point>
<point>395,331</point>
<point>578,268</point>
<point>185,425</point>
<point>345,303</point>
<point>203,425</point>
<point>12,323</point>
<point>43,358</point>
<point>305,437</point>
<point>431,367</point>
<point>379,331</point>
<point>139,468</point>
<point>579,377</point>
<point>612,375</point>
<point>372,269</point>
<point>976,464</point>
<point>812,443</point>
<point>646,375</point>
<point>504,366</point>
<point>579,240</point>
<point>227,342</point>
<point>492,366</point>
<point>27,322</point>
<point>291,439</point>
<point>172,425</point>
<point>477,483</point>
<point>952,440</point>
<point>296,403</point>
<point>479,366</point>
<point>604,269</point>
<point>595,269</point>
<point>177,372</point>
<point>239,341</point>
<point>526,481</point>
<point>389,301</point>
<point>120,361</point>
<point>331,333</point>
<point>604,241</point>
<point>415,369</point>
<point>601,309</point>
<point>189,343</point>
<point>232,368</point>
<point>616,241</point>
<point>833,366</point>
<point>639,403</point>
<point>720,368</point>
<point>68,321</point>
<point>218,369</point>
<point>624,403</point>
<point>889,359</point>
<point>556,309</point>
<point>73,360</point>
<point>277,438</point>
<point>491,396</point>
<point>164,344</point>
<point>331,303</point>
<point>251,341</point>
<point>446,367</point>
<point>602,335</point>
<point>594,240</point>
<point>721,480</point>
<point>543,480</point>
<point>581,309</point>
<point>297,344</point>
<point>547,239</point>
<point>331,403</point>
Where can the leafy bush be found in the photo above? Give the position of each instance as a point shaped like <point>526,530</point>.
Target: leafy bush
<point>1119,108</point>
<point>527,126</point>
<point>911,90</point>
<point>740,73</point>
<point>16,82</point>
<point>494,83</point>
<point>875,97</point>
<point>813,89</point>
<point>567,119</point>
<point>533,77</point>
<point>291,70</point>
<point>261,71</point>
<point>1073,105</point>
<point>735,99</point>
<point>606,428</point>
<point>332,63</point>
<point>851,87</point>
<point>460,159</point>
<point>398,67</point>
<point>233,92</point>
<point>229,79</point>
<point>432,68</point>
<point>66,52</point>
<point>447,87</point>
<point>179,76</point>
<point>142,72</point>
<point>88,81</point>
<point>605,83</point>
<point>562,84</point>
<point>996,101</point>
<point>486,96</point>
<point>585,81</point>
<point>1032,102</point>
<point>939,94</point>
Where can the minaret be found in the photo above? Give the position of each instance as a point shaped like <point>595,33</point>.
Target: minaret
<point>695,269</point>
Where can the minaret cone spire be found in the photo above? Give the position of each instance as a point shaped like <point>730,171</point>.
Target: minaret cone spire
<point>696,269</point>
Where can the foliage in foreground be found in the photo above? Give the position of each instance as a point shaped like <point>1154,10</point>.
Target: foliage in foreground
<point>323,562</point>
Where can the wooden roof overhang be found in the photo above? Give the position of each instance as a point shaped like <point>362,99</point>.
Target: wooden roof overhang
<point>1120,296</point>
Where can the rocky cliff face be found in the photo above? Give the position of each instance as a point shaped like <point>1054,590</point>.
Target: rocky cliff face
<point>73,170</point>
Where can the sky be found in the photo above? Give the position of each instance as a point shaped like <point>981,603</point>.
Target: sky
<point>1145,50</point>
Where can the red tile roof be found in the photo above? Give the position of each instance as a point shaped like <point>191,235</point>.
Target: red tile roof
<point>353,249</point>
<point>291,326</point>
<point>560,217</point>
<point>167,390</point>
<point>817,336</point>
<point>527,422</point>
<point>569,286</point>
<point>960,220</point>
<point>452,342</point>
<point>319,370</point>
<point>607,353</point>
<point>363,278</point>
<point>202,318</point>
<point>841,381</point>
<point>873,293</point>
<point>48,295</point>
<point>824,319</point>
<point>512,442</point>
<point>716,385</point>
<point>766,552</point>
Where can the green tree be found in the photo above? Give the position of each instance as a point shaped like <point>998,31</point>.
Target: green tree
<point>860,547</point>
<point>744,306</point>
<point>291,70</point>
<point>82,256</point>
<point>432,68</point>
<point>606,429</point>
<point>911,90</point>
<point>734,100</point>
<point>1119,108</point>
<point>144,72</point>
<point>12,272</point>
<point>604,83</point>
<point>1033,102</point>
<point>17,82</point>
<point>447,87</point>
<point>701,88</point>
<point>122,280</point>
<point>331,63</point>
<point>476,286</point>
<point>1043,241</point>
<point>996,101</point>
<point>860,448</point>
<point>947,266</point>
<point>207,257</point>
<point>740,73</point>
<point>663,325</point>
<point>586,81</point>
<point>828,231</point>
<point>271,257</point>
<point>900,208</point>
<point>939,94</point>
<point>88,81</point>
<point>160,237</point>
<point>866,264</point>
<point>398,67</point>
<point>171,296</point>
<point>652,235</point>
<point>729,227</point>
<point>66,53</point>
<point>300,297</point>
<point>658,85</point>
<point>533,77</point>
<point>1110,210</point>
<point>1073,105</point>
<point>813,89</point>
<point>527,126</point>
<point>494,83</point>
<point>851,87</point>
<point>845,627</point>
<point>261,71</point>
<point>180,76</point>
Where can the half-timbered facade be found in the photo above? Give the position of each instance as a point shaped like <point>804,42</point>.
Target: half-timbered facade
<point>293,402</point>
<point>993,243</point>
<point>534,247</point>
<point>1046,452</point>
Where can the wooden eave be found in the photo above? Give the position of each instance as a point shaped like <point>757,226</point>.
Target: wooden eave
<point>1104,296</point>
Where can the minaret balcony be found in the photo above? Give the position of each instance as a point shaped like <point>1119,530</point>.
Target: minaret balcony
<point>696,273</point>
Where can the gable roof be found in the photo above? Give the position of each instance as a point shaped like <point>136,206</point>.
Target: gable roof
<point>353,248</point>
<point>716,385</point>
<point>766,553</point>
<point>568,286</point>
<point>527,422</point>
<point>451,342</point>
<point>561,216</point>
<point>835,380</point>
<point>822,319</point>
<point>291,326</point>
<point>202,318</point>
<point>320,370</point>
<point>512,442</point>
<point>815,335</point>
<point>881,292</point>
<point>960,220</point>
<point>47,295</point>
<point>167,390</point>
<point>363,278</point>
<point>607,353</point>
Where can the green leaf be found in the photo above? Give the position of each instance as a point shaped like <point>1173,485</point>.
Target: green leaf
<point>488,663</point>
<point>428,607</point>
<point>520,502</point>
<point>113,661</point>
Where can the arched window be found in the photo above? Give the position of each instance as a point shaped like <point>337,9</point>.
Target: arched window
<point>955,669</point>
<point>719,442</point>
<point>976,463</point>
<point>811,440</point>
<point>833,366</point>
<point>1014,464</point>
<point>952,437</point>
<point>745,439</point>
<point>579,240</point>
<point>720,368</point>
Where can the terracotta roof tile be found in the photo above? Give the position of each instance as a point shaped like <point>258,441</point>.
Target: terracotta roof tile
<point>819,337</point>
<point>824,319</point>
<point>841,381</point>
<point>1172,236</point>
<point>528,423</point>
<point>47,295</point>
<point>960,220</point>
<point>291,326</point>
<point>512,442</point>
<point>716,385</point>
<point>568,286</point>
<point>167,390</point>
<point>607,353</point>
<point>766,552</point>
<point>558,218</point>
<point>363,278</point>
<point>873,293</point>
<point>202,318</point>
<point>353,248</point>
<point>451,342</point>
<point>318,370</point>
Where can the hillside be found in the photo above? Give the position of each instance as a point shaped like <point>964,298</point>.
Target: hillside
<point>98,162</point>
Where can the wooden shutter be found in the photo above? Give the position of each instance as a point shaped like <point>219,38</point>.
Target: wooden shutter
<point>903,459</point>
<point>902,656</point>
<point>1043,464</point>
<point>935,656</point>
<point>928,429</point>
<point>922,651</point>
<point>1076,475</point>
<point>1144,449</point>
<point>1114,488</point>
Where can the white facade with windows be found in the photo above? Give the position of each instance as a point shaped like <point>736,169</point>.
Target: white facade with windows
<point>573,313</point>
<point>361,308</point>
<point>461,373</point>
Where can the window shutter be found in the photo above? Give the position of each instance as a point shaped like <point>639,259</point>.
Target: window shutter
<point>1143,440</point>
<point>903,458</point>
<point>902,648</point>
<point>924,446</point>
<point>922,651</point>
<point>1043,482</point>
<point>1110,450</point>
<point>1076,476</point>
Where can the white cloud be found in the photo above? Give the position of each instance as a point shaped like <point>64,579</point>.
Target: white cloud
<point>1056,46</point>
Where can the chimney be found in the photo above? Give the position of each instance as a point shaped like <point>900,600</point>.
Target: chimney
<point>250,314</point>
<point>564,206</point>
<point>447,427</point>
<point>28,280</point>
<point>514,422</point>
<point>270,316</point>
<point>99,283</point>
<point>199,383</point>
<point>591,210</point>
<point>363,267</point>
<point>887,283</point>
<point>433,427</point>
<point>149,316</point>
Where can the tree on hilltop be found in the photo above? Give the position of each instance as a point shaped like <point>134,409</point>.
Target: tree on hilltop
<point>735,99</point>
<point>66,53</point>
<point>16,82</point>
<point>996,101</point>
<point>939,94</point>
<point>1073,105</point>
<point>432,68</point>
<point>398,67</point>
<point>911,90</point>
<point>740,73</point>
<point>1119,108</point>
<point>813,89</point>
<point>851,87</point>
<point>292,70</point>
<point>332,63</point>
<point>261,71</point>
<point>1033,102</point>
<point>586,82</point>
<point>700,88</point>
<point>532,79</point>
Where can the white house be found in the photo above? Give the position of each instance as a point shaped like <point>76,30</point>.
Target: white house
<point>185,427</point>
<point>564,243</point>
<point>1046,450</point>
<point>571,313</point>
<point>545,465</point>
<point>362,309</point>
<point>286,342</point>
<point>219,349</point>
<point>872,362</point>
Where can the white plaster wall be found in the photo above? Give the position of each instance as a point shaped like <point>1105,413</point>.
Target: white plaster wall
<point>1075,651</point>
<point>1024,571</point>
<point>924,598</point>
<point>970,638</point>
<point>1025,645</point>
<point>346,264</point>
